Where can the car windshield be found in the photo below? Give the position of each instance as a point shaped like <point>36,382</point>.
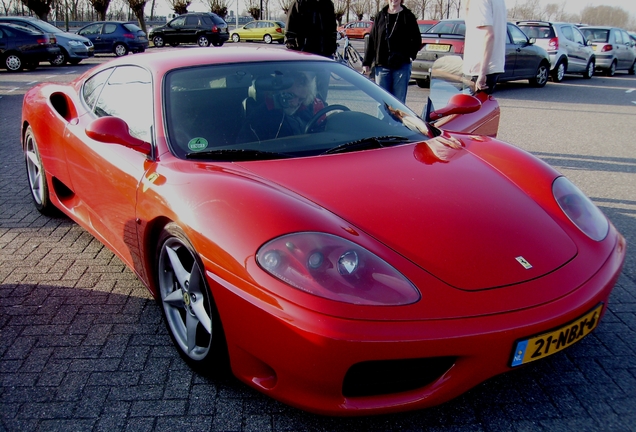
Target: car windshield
<point>49,28</point>
<point>266,110</point>
<point>596,35</point>
<point>537,31</point>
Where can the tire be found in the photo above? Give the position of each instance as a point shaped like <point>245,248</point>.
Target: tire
<point>120,50</point>
<point>60,59</point>
<point>267,39</point>
<point>423,83</point>
<point>236,37</point>
<point>589,70</point>
<point>13,62</point>
<point>36,175</point>
<point>611,71</point>
<point>203,41</point>
<point>559,71</point>
<point>632,70</point>
<point>541,77</point>
<point>186,301</point>
<point>158,41</point>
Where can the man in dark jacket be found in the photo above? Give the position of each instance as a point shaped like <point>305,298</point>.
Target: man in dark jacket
<point>394,41</point>
<point>311,27</point>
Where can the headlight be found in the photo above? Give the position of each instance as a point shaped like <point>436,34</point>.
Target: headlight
<point>74,43</point>
<point>580,209</point>
<point>334,268</point>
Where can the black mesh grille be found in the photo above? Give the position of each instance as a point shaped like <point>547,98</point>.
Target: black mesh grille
<point>393,376</point>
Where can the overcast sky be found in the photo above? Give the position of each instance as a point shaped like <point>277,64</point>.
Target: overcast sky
<point>576,6</point>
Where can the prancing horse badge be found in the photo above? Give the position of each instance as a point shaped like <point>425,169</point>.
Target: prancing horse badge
<point>526,265</point>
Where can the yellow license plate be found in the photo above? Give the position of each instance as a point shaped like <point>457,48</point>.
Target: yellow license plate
<point>593,47</point>
<point>546,344</point>
<point>437,47</point>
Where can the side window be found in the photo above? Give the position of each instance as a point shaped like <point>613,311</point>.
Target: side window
<point>578,36</point>
<point>93,87</point>
<point>251,25</point>
<point>518,37</point>
<point>178,22</point>
<point>1,34</point>
<point>91,29</point>
<point>109,28</point>
<point>617,37</point>
<point>625,37</point>
<point>192,21</point>
<point>567,32</point>
<point>124,84</point>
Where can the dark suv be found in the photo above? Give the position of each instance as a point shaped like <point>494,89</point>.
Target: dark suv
<point>202,28</point>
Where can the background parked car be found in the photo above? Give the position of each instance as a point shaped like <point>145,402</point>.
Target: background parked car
<point>614,49</point>
<point>202,28</point>
<point>425,25</point>
<point>115,37</point>
<point>357,29</point>
<point>73,48</point>
<point>24,48</point>
<point>260,30</point>
<point>569,50</point>
<point>524,60</point>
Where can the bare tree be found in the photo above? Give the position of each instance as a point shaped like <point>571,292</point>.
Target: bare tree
<point>219,7</point>
<point>605,15</point>
<point>6,6</point>
<point>40,8</point>
<point>254,8</point>
<point>285,5</point>
<point>179,6</point>
<point>340,7</point>
<point>137,7</point>
<point>358,7</point>
<point>100,6</point>
<point>531,9</point>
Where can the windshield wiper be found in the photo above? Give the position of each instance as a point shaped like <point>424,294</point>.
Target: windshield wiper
<point>236,155</point>
<point>369,143</point>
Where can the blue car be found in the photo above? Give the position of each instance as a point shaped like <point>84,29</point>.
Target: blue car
<point>24,48</point>
<point>115,37</point>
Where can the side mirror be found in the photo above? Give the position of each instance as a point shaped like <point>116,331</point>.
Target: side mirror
<point>588,43</point>
<point>458,104</point>
<point>113,130</point>
<point>532,40</point>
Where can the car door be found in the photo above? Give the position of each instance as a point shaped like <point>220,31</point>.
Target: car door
<point>581,51</point>
<point>188,33</point>
<point>109,36</point>
<point>94,33</point>
<point>105,176</point>
<point>249,31</point>
<point>4,43</point>
<point>520,59</point>
<point>630,54</point>
<point>172,31</point>
<point>569,46</point>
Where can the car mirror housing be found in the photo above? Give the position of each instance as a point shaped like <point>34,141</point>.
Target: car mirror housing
<point>458,104</point>
<point>113,130</point>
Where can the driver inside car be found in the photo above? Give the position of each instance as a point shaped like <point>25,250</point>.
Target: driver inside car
<point>284,112</point>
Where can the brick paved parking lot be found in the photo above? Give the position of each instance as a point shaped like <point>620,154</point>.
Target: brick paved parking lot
<point>83,348</point>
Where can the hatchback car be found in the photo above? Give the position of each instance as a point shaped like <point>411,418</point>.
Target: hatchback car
<point>21,47</point>
<point>614,49</point>
<point>73,48</point>
<point>357,29</point>
<point>115,37</point>
<point>202,28</point>
<point>260,30</point>
<point>524,60</point>
<point>568,48</point>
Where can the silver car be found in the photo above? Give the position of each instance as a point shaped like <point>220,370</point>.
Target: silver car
<point>74,48</point>
<point>614,49</point>
<point>569,50</point>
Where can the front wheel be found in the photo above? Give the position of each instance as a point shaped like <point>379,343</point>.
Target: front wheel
<point>36,175</point>
<point>541,77</point>
<point>236,38</point>
<point>187,304</point>
<point>203,41</point>
<point>120,50</point>
<point>267,39</point>
<point>589,70</point>
<point>158,41</point>
<point>60,59</point>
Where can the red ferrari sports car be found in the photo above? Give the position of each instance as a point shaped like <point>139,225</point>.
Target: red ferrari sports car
<point>346,256</point>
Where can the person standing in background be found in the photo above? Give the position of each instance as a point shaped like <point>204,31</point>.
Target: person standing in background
<point>485,47</point>
<point>393,43</point>
<point>311,27</point>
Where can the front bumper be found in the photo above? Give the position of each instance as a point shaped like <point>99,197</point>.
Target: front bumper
<point>306,359</point>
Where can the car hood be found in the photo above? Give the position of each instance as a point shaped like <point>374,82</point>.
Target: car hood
<point>462,221</point>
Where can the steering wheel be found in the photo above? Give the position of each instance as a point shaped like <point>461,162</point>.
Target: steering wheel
<point>312,122</point>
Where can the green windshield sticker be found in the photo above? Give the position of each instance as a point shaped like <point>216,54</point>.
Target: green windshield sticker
<point>198,144</point>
